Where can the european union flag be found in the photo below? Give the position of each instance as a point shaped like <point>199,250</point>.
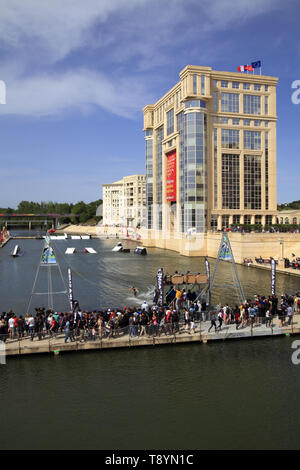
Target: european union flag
<point>256,65</point>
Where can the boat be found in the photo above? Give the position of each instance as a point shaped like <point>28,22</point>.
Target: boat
<point>16,251</point>
<point>85,237</point>
<point>140,250</point>
<point>70,251</point>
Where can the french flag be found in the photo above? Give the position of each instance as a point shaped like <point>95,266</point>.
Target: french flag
<point>244,68</point>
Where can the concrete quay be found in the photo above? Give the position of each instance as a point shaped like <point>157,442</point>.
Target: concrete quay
<point>56,345</point>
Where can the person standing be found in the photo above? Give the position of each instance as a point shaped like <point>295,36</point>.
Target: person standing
<point>132,326</point>
<point>290,314</point>
<point>212,321</point>
<point>31,323</point>
<point>220,319</point>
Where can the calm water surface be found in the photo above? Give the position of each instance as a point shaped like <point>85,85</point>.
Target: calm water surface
<point>232,394</point>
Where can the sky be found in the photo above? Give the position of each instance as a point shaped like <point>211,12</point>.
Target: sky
<point>78,73</point>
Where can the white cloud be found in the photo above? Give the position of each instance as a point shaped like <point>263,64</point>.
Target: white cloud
<point>55,93</point>
<point>38,38</point>
<point>59,26</point>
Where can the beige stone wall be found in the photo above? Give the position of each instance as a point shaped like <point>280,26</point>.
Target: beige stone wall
<point>244,246</point>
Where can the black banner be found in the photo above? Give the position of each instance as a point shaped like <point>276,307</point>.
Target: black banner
<point>160,286</point>
<point>70,287</point>
<point>273,276</point>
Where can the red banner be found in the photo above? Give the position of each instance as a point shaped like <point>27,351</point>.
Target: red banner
<point>171,176</point>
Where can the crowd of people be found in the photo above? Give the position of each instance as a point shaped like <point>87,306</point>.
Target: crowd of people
<point>182,315</point>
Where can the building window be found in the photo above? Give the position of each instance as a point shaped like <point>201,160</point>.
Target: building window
<point>202,85</point>
<point>215,82</point>
<point>247,219</point>
<point>235,121</point>
<point>236,219</point>
<point>267,169</point>
<point>224,120</point>
<point>229,102</point>
<point>215,119</point>
<point>149,182</point>
<point>266,105</point>
<point>268,220</point>
<point>230,181</point>
<point>214,222</point>
<point>266,123</point>
<point>236,85</point>
<point>252,104</point>
<point>215,101</point>
<point>257,122</point>
<point>195,84</point>
<point>246,86</point>
<point>225,222</point>
<point>252,140</point>
<point>159,139</point>
<point>195,104</point>
<point>224,83</point>
<point>252,182</point>
<point>246,122</point>
<point>230,138</point>
<point>257,87</point>
<point>215,168</point>
<point>266,87</point>
<point>170,121</point>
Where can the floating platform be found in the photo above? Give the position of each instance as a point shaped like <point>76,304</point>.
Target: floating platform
<point>57,345</point>
<point>90,250</point>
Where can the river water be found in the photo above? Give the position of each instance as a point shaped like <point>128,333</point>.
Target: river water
<point>230,394</point>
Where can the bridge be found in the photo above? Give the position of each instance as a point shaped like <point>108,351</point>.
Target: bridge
<point>40,220</point>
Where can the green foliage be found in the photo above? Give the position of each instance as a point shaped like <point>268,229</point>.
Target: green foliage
<point>83,211</point>
<point>289,206</point>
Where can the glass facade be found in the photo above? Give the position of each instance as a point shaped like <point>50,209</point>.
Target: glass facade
<point>194,171</point>
<point>215,168</point>
<point>202,85</point>
<point>195,84</point>
<point>229,102</point>
<point>159,139</point>
<point>252,104</point>
<point>252,182</point>
<point>170,121</point>
<point>149,182</point>
<point>195,104</point>
<point>230,181</point>
<point>230,138</point>
<point>252,140</point>
<point>267,169</point>
<point>266,105</point>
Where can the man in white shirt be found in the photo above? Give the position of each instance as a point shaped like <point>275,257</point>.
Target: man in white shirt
<point>11,324</point>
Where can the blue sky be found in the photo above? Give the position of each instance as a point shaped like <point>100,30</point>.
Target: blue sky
<point>78,74</point>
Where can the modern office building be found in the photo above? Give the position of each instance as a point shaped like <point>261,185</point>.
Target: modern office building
<point>210,154</point>
<point>124,202</point>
